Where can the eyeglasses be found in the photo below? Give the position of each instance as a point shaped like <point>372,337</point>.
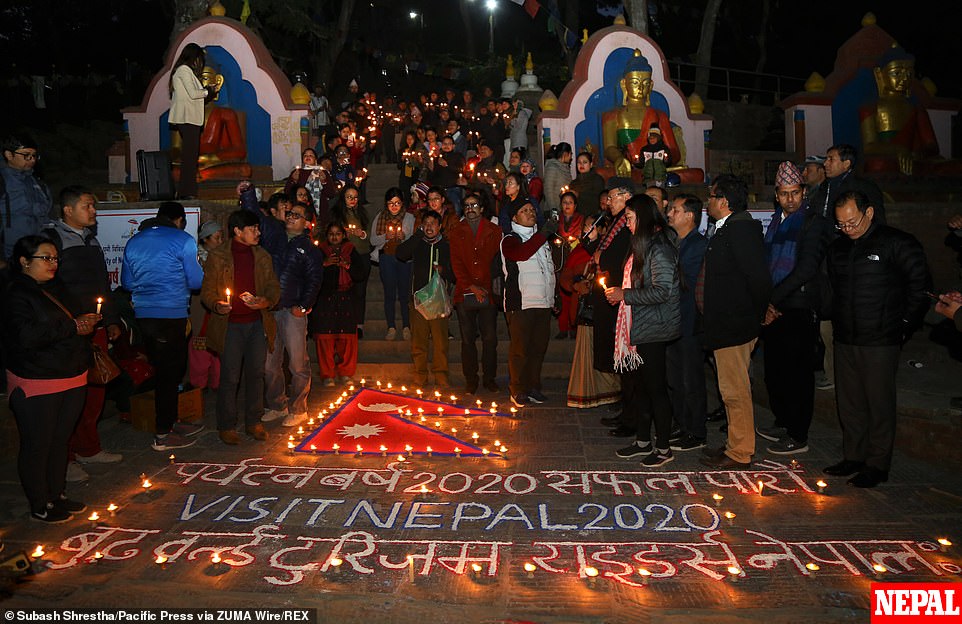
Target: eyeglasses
<point>472,205</point>
<point>850,226</point>
<point>396,202</point>
<point>290,214</point>
<point>435,198</point>
<point>28,155</point>
<point>47,259</point>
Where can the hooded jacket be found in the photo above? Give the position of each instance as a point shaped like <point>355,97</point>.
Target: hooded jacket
<point>160,268</point>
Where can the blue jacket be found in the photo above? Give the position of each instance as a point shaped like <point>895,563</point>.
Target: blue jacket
<point>301,272</point>
<point>24,208</point>
<point>160,269</point>
<point>691,253</point>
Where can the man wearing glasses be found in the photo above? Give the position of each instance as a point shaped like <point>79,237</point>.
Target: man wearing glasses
<point>879,280</point>
<point>299,273</point>
<point>733,293</point>
<point>25,201</point>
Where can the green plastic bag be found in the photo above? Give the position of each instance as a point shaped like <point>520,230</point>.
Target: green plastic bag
<point>433,301</point>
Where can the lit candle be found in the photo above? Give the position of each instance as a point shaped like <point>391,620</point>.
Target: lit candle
<point>389,385</point>
<point>336,565</point>
<point>730,516</point>
<point>378,384</point>
<point>400,458</point>
<point>404,388</point>
<point>440,411</point>
<point>98,556</point>
<point>476,570</point>
<point>497,443</point>
<point>454,431</point>
<point>437,423</point>
<point>146,485</point>
<point>94,518</point>
<point>419,393</point>
<point>503,450</point>
<point>362,381</point>
<point>454,399</point>
<point>821,486</point>
<point>383,450</point>
<point>160,560</point>
<point>485,452</point>
<point>592,574</point>
<point>944,544</point>
<point>112,508</point>
<point>478,403</point>
<point>761,489</point>
<point>529,569</point>
<point>457,452</point>
<point>411,568</point>
<point>360,451</point>
<point>812,568</point>
<point>215,558</point>
<point>100,302</point>
<point>514,410</point>
<point>409,449</point>
<point>290,447</point>
<point>474,436</point>
<point>38,552</point>
<point>429,451</point>
<point>734,572</point>
<point>227,292</point>
<point>879,570</point>
<point>313,448</point>
<point>718,498</point>
<point>645,575</point>
<point>601,281</point>
<point>300,431</point>
<point>437,394</point>
<point>351,388</point>
<point>172,459</point>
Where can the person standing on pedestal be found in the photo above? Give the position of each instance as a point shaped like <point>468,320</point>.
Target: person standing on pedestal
<point>187,97</point>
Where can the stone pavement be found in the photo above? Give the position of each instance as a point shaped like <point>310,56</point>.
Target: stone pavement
<point>560,501</point>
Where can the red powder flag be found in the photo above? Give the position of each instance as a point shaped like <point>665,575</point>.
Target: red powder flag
<point>370,419</point>
<point>531,6</point>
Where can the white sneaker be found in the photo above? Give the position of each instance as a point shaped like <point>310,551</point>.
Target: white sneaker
<point>391,334</point>
<point>76,474</point>
<point>328,382</point>
<point>406,332</point>
<point>103,457</point>
<point>294,420</point>
<point>272,415</point>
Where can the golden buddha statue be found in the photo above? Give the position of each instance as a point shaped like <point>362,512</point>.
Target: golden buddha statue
<point>896,132</point>
<point>223,143</point>
<point>625,129</point>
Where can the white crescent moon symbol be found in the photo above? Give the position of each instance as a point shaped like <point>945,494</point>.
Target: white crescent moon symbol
<point>380,407</point>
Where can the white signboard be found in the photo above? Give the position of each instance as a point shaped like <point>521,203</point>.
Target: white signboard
<point>115,227</point>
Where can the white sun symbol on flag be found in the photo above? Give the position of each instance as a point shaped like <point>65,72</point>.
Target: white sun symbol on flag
<point>356,431</point>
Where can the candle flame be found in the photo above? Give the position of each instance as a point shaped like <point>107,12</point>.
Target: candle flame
<point>591,572</point>
<point>734,570</point>
<point>944,542</point>
<point>112,507</point>
<point>160,560</point>
<point>812,567</point>
<point>147,484</point>
<point>215,558</point>
<point>38,552</point>
<point>94,517</point>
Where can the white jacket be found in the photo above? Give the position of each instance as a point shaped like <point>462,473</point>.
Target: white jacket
<point>532,280</point>
<point>187,100</point>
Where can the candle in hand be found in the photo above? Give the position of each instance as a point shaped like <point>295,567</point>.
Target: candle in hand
<point>601,280</point>
<point>227,291</point>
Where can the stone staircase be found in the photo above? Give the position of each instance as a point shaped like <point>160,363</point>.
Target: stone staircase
<point>391,360</point>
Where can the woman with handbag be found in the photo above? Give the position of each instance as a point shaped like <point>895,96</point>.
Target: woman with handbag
<point>587,386</point>
<point>47,358</point>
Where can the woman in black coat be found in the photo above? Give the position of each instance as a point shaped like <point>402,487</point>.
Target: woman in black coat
<point>47,358</point>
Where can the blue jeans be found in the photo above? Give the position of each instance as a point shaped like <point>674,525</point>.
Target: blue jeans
<point>245,350</point>
<point>291,338</point>
<point>396,279</point>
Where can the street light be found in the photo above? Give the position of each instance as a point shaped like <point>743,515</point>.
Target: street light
<point>417,16</point>
<point>491,5</point>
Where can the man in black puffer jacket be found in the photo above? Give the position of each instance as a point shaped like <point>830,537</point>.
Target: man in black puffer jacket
<point>879,280</point>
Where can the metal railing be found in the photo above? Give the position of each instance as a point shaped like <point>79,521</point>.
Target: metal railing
<point>736,85</point>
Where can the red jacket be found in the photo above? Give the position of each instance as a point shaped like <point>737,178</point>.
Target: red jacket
<point>472,255</point>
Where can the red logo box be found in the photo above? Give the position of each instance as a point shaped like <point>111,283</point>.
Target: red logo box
<point>916,602</point>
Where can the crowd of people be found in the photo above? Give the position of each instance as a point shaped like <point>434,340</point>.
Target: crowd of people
<point>647,285</point>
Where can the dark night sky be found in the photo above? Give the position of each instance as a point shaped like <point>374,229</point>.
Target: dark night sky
<point>804,36</point>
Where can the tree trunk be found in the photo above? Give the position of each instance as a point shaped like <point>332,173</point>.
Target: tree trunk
<point>703,55</point>
<point>185,13</point>
<point>324,68</point>
<point>468,29</point>
<point>762,51</point>
<point>637,14</point>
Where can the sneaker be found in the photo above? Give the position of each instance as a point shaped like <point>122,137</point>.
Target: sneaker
<point>658,458</point>
<point>103,457</point>
<point>70,506</point>
<point>536,396</point>
<point>391,334</point>
<point>327,383</point>
<point>76,474</point>
<point>688,443</point>
<point>51,515</point>
<point>772,434</point>
<point>187,429</point>
<point>343,379</point>
<point>788,446</point>
<point>520,400</point>
<point>170,441</point>
<point>272,415</point>
<point>676,435</point>
<point>294,420</point>
<point>635,449</point>
<point>406,333</point>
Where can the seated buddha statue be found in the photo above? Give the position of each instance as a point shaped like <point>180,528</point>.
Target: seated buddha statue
<point>625,129</point>
<point>223,144</point>
<point>896,131</point>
